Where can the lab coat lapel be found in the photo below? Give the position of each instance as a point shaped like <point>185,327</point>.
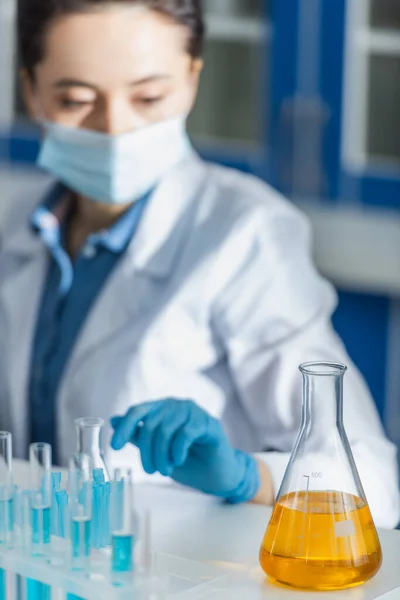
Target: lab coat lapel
<point>151,254</point>
<point>20,293</point>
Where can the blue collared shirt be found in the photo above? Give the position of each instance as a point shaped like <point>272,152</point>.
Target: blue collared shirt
<point>69,292</point>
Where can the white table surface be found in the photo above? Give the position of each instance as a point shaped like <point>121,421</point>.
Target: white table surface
<point>199,528</point>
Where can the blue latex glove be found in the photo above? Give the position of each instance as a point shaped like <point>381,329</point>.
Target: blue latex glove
<point>182,441</point>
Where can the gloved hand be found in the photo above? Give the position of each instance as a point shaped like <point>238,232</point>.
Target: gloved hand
<point>182,441</point>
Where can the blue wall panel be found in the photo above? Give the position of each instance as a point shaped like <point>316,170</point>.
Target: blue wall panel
<point>20,145</point>
<point>363,322</point>
<point>23,151</point>
<point>331,78</point>
<point>381,191</point>
<point>256,163</point>
<point>375,187</point>
<point>284,16</point>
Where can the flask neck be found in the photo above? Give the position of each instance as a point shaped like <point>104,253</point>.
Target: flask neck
<point>89,437</point>
<point>89,442</point>
<point>323,396</point>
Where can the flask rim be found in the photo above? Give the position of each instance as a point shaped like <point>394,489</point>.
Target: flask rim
<point>323,369</point>
<point>88,422</point>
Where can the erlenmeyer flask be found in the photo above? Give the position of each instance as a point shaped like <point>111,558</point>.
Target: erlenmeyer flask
<point>321,535</point>
<point>89,442</point>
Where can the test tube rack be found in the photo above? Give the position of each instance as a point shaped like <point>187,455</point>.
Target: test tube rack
<point>82,539</point>
<point>174,578</point>
<point>55,574</point>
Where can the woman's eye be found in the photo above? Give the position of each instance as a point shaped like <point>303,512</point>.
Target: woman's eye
<point>73,104</point>
<point>151,100</point>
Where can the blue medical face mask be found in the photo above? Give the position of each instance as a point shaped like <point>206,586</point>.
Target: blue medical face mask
<point>113,169</point>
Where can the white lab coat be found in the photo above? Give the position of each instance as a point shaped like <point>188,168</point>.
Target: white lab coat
<point>217,300</point>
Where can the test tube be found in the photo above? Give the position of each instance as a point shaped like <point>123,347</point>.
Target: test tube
<point>151,585</point>
<point>106,515</point>
<point>97,514</point>
<point>123,525</point>
<point>6,488</point>
<point>6,499</point>
<point>147,558</point>
<point>98,475</point>
<point>40,501</point>
<point>80,495</point>
<point>40,512</point>
<point>62,513</point>
<point>55,487</point>
<point>22,519</point>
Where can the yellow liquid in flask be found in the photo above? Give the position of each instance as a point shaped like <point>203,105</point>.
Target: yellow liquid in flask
<point>321,540</point>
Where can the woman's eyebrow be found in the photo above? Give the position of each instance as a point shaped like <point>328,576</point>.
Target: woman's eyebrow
<point>149,79</point>
<point>66,83</point>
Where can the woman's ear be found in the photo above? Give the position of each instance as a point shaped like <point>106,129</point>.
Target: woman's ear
<point>196,68</point>
<point>28,93</point>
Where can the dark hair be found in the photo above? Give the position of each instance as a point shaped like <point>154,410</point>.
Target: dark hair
<point>35,17</point>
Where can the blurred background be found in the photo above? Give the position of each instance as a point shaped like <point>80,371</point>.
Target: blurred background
<point>306,95</point>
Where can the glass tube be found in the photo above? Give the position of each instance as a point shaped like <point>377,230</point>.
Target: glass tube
<point>40,499</point>
<point>5,458</point>
<point>80,495</point>
<point>150,582</point>
<point>56,478</point>
<point>6,488</point>
<point>22,537</point>
<point>6,499</point>
<point>80,469</point>
<point>148,558</point>
<point>123,521</point>
<point>89,442</point>
<point>40,470</point>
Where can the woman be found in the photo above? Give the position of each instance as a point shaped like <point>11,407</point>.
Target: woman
<point>138,276</point>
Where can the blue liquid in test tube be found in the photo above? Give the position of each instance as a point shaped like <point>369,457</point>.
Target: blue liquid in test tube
<point>41,535</point>
<point>80,488</point>
<point>122,553</point>
<point>98,475</point>
<point>6,529</point>
<point>55,487</point>
<point>41,525</point>
<point>3,590</point>
<point>80,537</point>
<point>6,500</point>
<point>123,527</point>
<point>97,512</point>
<point>106,514</point>
<point>37,591</point>
<point>80,543</point>
<point>62,508</point>
<point>40,512</point>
